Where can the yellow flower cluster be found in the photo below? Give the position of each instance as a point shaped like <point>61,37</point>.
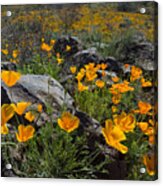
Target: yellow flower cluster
<point>114,131</point>
<point>14,54</point>
<point>100,19</point>
<point>119,88</point>
<point>9,110</point>
<point>89,74</point>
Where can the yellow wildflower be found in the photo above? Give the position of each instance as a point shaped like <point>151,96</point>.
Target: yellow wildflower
<point>135,73</point>
<point>52,42</point>
<point>143,126</point>
<point>73,69</point>
<point>121,88</point>
<point>80,75</point>
<point>39,108</point>
<point>7,112</point>
<point>150,163</point>
<point>25,133</point>
<point>103,66</point>
<point>113,136</point>
<point>68,48</point>
<point>59,60</point>
<point>82,87</point>
<point>90,75</point>
<point>90,66</point>
<point>125,121</point>
<point>29,116</point>
<point>114,109</point>
<point>116,98</point>
<point>46,47</point>
<point>68,122</point>
<point>15,53</point>
<point>100,83</point>
<point>5,51</point>
<point>144,107</point>
<point>20,107</point>
<point>10,77</point>
<point>115,79</point>
<point>145,83</point>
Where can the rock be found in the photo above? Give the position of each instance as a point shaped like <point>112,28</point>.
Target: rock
<point>8,66</point>
<point>138,51</point>
<point>101,45</point>
<point>86,56</point>
<point>113,64</point>
<point>93,129</point>
<point>117,166</point>
<point>62,42</point>
<point>38,89</point>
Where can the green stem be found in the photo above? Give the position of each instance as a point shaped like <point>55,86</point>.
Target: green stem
<point>17,120</point>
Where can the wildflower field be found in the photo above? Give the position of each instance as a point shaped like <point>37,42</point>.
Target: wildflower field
<point>79,91</point>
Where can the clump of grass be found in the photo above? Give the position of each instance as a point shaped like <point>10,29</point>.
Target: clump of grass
<point>43,66</point>
<point>89,102</point>
<point>56,154</point>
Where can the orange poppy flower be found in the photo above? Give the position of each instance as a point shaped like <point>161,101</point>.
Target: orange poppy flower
<point>29,116</point>
<point>145,83</point>
<point>148,130</point>
<point>46,47</point>
<point>100,83</point>
<point>126,122</point>
<point>91,75</point>
<point>114,109</point>
<point>115,79</point>
<point>68,122</point>
<point>73,69</point>
<point>80,76</point>
<point>5,51</point>
<point>116,98</point>
<point>10,77</point>
<point>143,126</point>
<point>52,42</point>
<point>135,73</point>
<point>39,108</point>
<point>150,163</point>
<point>7,112</point>
<point>82,87</point>
<point>90,66</point>
<point>113,136</point>
<point>25,133</point>
<point>103,66</point>
<point>144,107</point>
<point>121,88</point>
<point>20,107</point>
<point>15,53</point>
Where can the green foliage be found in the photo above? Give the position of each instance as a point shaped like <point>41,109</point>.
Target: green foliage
<point>55,153</point>
<point>89,102</point>
<point>138,146</point>
<point>42,65</point>
<point>119,45</point>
